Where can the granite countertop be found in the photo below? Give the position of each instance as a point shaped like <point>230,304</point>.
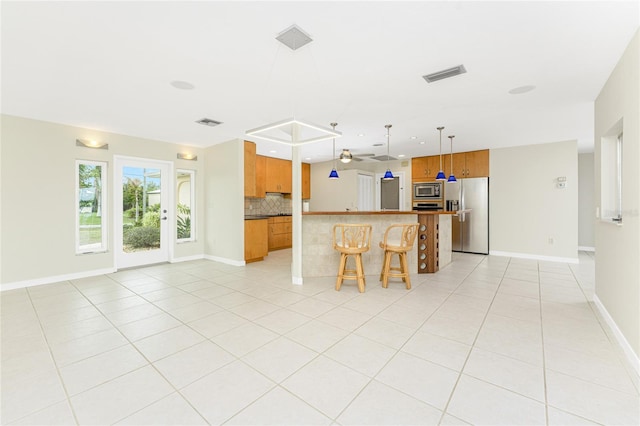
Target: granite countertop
<point>262,216</point>
<point>386,212</point>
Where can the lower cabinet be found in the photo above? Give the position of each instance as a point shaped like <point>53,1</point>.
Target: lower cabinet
<point>256,240</point>
<point>280,232</point>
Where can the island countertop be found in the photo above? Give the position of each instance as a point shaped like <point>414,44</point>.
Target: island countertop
<point>385,212</point>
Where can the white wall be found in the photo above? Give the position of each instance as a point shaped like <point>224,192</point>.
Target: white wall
<point>618,247</point>
<point>38,197</point>
<point>586,202</point>
<point>526,208</point>
<point>328,188</point>
<point>225,202</point>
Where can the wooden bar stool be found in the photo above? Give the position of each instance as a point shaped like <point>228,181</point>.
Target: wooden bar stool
<point>351,240</point>
<point>398,239</point>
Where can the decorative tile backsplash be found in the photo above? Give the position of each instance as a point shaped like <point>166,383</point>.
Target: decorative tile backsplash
<point>270,204</point>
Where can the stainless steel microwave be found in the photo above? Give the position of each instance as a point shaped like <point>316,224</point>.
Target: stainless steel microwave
<point>427,191</point>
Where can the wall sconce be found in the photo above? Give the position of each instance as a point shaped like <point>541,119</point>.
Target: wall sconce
<point>187,156</point>
<point>87,143</point>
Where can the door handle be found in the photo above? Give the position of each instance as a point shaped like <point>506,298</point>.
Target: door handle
<point>164,218</point>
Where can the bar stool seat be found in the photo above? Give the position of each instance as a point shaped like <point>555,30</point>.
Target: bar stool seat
<point>398,239</point>
<point>351,240</point>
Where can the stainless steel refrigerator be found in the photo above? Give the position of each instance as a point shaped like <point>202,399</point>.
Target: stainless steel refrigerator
<point>470,227</point>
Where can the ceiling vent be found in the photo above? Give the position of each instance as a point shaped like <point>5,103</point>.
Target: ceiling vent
<point>384,158</point>
<point>441,75</point>
<point>294,37</point>
<point>209,122</point>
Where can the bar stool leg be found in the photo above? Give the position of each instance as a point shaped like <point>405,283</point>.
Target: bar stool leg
<point>405,270</point>
<point>343,264</point>
<point>360,273</point>
<point>384,276</point>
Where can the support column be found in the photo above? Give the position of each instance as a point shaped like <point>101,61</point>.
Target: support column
<point>296,207</point>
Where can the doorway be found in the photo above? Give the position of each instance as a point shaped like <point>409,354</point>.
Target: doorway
<point>142,213</point>
<point>390,193</point>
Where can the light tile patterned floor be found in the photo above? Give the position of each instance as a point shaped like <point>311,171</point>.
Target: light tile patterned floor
<point>487,340</point>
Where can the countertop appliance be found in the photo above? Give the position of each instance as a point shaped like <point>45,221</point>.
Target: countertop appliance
<point>423,191</point>
<point>470,227</point>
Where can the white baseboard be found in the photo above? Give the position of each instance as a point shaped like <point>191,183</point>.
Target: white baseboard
<point>631,356</point>
<point>586,248</point>
<point>534,257</point>
<point>225,260</point>
<point>55,279</point>
<point>187,258</point>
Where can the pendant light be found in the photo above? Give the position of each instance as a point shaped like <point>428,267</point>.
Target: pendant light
<point>334,172</point>
<point>452,177</point>
<point>441,175</point>
<point>388,175</point>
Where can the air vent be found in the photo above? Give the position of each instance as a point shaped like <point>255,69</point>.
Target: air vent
<point>441,75</point>
<point>384,158</point>
<point>209,122</point>
<point>294,37</point>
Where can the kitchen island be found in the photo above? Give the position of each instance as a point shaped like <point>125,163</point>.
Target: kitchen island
<point>431,251</point>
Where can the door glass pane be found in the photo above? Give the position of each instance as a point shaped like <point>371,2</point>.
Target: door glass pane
<point>185,198</point>
<point>141,209</point>
<point>90,202</point>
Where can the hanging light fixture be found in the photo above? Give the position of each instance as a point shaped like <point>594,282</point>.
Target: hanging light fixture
<point>334,172</point>
<point>346,156</point>
<point>388,175</point>
<point>452,177</point>
<point>441,175</point>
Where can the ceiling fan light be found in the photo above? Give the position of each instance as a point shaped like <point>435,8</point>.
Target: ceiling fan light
<point>346,156</point>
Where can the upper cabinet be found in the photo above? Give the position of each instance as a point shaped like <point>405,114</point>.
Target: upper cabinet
<point>468,164</point>
<point>425,169</point>
<point>250,169</point>
<point>266,174</point>
<point>306,181</point>
<point>278,175</point>
<point>261,176</point>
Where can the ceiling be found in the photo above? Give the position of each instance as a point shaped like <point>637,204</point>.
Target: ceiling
<point>109,65</point>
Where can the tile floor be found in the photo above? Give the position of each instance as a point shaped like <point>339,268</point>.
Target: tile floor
<point>487,340</point>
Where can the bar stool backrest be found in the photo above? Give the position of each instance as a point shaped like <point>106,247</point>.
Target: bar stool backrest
<point>352,238</point>
<point>401,235</point>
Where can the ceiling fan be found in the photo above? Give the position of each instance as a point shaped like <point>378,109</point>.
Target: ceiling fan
<point>346,156</point>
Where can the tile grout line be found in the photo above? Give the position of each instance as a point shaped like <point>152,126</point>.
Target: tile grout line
<point>544,358</point>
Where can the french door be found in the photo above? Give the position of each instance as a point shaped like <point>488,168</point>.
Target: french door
<point>142,216</point>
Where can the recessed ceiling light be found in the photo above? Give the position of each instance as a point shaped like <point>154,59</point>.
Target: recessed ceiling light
<point>307,158</point>
<point>413,137</point>
<point>400,155</point>
<point>182,85</point>
<point>522,89</point>
<point>360,134</point>
<point>422,143</point>
<point>273,151</point>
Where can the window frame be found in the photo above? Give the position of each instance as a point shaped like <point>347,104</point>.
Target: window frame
<point>104,210</point>
<point>192,207</point>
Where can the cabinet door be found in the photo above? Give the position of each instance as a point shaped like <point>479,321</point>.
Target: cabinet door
<point>286,177</point>
<point>249,169</point>
<point>306,181</point>
<point>477,163</point>
<point>255,240</point>
<point>433,166</point>
<point>418,168</point>
<point>261,176</point>
<point>272,174</point>
<point>460,164</point>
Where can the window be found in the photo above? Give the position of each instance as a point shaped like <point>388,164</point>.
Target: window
<point>91,196</point>
<point>611,176</point>
<point>185,199</point>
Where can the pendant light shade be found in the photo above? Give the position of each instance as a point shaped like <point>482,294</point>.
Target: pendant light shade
<point>334,172</point>
<point>452,177</point>
<point>441,175</point>
<point>388,175</point>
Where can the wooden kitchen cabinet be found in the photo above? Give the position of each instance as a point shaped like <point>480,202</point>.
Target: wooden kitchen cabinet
<point>280,232</point>
<point>278,175</point>
<point>425,169</point>
<point>256,239</point>
<point>468,164</point>
<point>306,181</point>
<point>249,169</point>
<point>261,176</point>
